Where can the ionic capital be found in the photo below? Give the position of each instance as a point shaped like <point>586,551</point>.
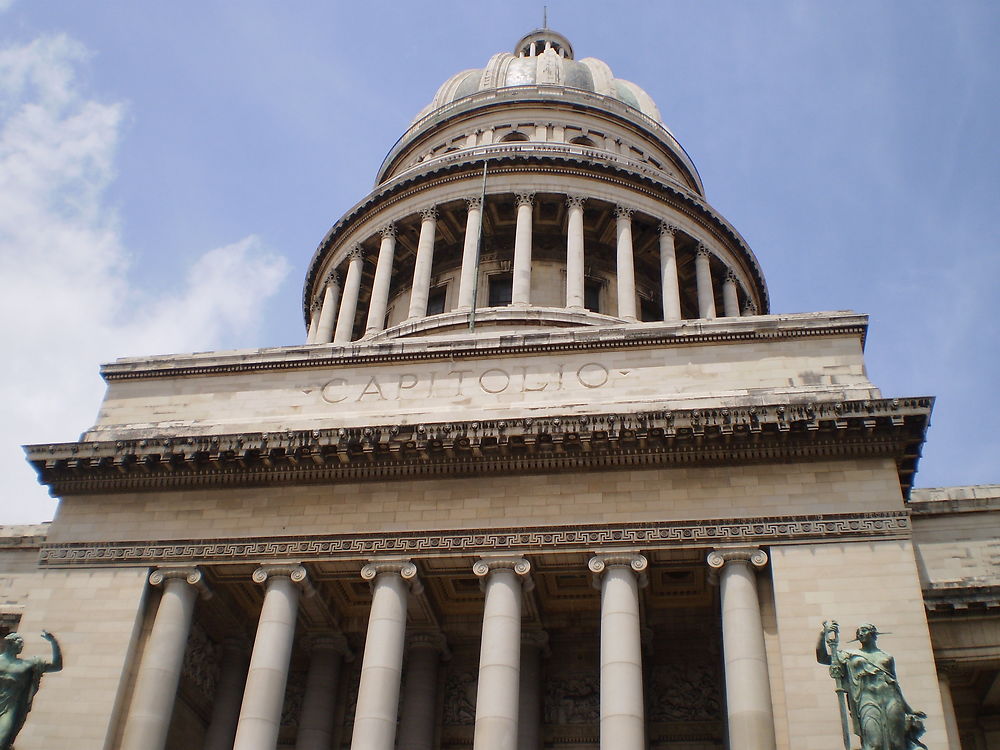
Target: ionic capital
<point>623,212</point>
<point>429,214</point>
<point>356,253</point>
<point>722,556</point>
<point>487,564</point>
<point>631,559</point>
<point>525,199</point>
<point>389,230</point>
<point>191,575</point>
<point>475,202</point>
<point>575,201</point>
<point>295,573</point>
<point>667,230</point>
<point>393,566</point>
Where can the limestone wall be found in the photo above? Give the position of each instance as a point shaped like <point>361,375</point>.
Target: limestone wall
<point>778,367</point>
<point>955,532</point>
<point>852,583</point>
<point>700,492</point>
<point>97,616</point>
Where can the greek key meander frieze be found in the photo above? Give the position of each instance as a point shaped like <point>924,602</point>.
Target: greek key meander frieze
<point>652,535</point>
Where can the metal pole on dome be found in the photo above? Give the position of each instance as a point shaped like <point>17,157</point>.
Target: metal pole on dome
<point>479,244</point>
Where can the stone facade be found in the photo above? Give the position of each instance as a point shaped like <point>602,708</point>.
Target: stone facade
<point>547,473</point>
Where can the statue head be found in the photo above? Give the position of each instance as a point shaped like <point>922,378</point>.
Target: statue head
<point>13,643</point>
<point>867,633</point>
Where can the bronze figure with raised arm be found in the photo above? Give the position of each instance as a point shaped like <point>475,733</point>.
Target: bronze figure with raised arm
<point>19,680</point>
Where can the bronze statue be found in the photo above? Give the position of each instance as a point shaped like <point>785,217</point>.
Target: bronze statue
<point>19,680</point>
<point>867,688</point>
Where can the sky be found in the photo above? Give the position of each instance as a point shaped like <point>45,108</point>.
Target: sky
<point>167,169</point>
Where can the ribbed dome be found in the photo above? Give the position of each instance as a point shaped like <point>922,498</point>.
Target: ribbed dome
<point>543,57</point>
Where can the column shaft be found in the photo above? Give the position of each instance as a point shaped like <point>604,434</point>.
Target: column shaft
<point>380,285</point>
<point>521,286</point>
<point>730,297</point>
<point>748,689</point>
<point>625,266</point>
<point>668,274</point>
<point>703,278</point>
<point>623,724</point>
<point>470,255</point>
<point>160,670</point>
<point>950,720</point>
<point>499,656</point>
<point>421,288</point>
<point>221,729</point>
<point>378,693</point>
<point>529,711</point>
<point>316,720</point>
<point>260,714</point>
<point>314,312</point>
<point>418,717</point>
<point>328,313</point>
<point>575,284</point>
<point>349,298</point>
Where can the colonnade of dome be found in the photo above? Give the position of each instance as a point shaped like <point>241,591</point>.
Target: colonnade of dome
<point>550,197</point>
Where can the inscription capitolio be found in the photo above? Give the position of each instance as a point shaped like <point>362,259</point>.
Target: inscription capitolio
<point>457,382</point>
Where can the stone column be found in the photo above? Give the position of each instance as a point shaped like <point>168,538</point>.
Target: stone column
<point>730,297</point>
<point>500,653</point>
<point>623,723</point>
<point>521,286</point>
<point>750,308</point>
<point>378,693</point>
<point>260,714</point>
<point>160,669</point>
<point>326,653</point>
<point>419,713</point>
<point>349,298</point>
<point>625,265</point>
<point>575,298</point>
<point>221,729</point>
<point>314,310</point>
<point>534,644</point>
<point>703,277</point>
<point>421,287</point>
<point>328,314</point>
<point>380,285</point>
<point>470,254</point>
<point>748,689</point>
<point>670,289</point>
<point>950,720</point>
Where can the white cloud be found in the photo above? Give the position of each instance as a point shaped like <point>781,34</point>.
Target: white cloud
<point>66,299</point>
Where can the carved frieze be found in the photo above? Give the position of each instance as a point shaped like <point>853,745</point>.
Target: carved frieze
<point>578,537</point>
<point>573,699</point>
<point>460,698</point>
<point>201,662</point>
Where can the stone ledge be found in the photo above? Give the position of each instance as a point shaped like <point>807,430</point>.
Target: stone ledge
<point>934,501</point>
<point>492,344</point>
<point>817,430</point>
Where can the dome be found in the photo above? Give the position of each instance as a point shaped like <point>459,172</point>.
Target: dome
<point>543,57</point>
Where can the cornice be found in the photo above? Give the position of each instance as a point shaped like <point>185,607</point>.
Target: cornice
<point>532,158</point>
<point>416,545</point>
<point>402,350</point>
<point>722,436</point>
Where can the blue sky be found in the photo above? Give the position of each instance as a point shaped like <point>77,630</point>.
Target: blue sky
<point>167,169</point>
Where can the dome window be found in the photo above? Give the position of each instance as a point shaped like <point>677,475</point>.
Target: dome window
<point>516,135</point>
<point>582,140</point>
